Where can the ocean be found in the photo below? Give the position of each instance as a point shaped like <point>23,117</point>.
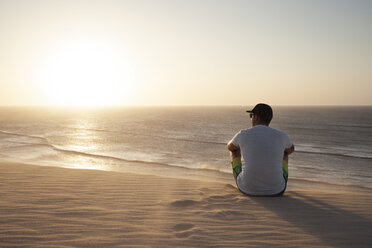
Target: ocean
<point>333,144</point>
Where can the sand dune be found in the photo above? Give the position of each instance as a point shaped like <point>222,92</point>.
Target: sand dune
<point>56,207</point>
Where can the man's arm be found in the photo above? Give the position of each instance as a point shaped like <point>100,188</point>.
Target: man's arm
<point>235,150</point>
<point>231,147</point>
<point>289,150</point>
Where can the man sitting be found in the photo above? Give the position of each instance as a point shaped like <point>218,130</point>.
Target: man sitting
<point>259,155</point>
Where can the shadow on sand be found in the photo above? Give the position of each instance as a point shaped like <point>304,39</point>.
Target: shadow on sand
<point>334,226</point>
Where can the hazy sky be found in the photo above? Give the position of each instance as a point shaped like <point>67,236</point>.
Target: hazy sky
<point>185,52</point>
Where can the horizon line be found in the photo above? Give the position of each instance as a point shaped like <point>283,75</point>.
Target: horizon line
<point>185,105</point>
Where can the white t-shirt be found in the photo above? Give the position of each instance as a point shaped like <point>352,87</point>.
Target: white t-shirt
<point>262,149</point>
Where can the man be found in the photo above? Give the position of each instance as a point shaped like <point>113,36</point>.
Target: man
<point>259,155</point>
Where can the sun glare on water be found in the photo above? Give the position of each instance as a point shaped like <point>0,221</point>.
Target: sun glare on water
<point>86,73</point>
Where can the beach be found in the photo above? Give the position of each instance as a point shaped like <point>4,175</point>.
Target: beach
<point>120,122</point>
<point>43,206</point>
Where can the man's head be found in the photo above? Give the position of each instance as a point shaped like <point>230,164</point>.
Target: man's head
<point>261,114</point>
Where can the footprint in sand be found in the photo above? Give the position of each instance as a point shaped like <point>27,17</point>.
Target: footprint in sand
<point>183,226</point>
<point>183,230</point>
<point>184,203</point>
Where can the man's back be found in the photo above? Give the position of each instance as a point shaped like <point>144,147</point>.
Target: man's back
<point>262,149</point>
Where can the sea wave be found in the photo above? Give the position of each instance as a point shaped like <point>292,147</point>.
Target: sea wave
<point>43,139</point>
<point>300,148</point>
<point>366,156</point>
<point>332,151</point>
<point>23,145</point>
<point>137,134</point>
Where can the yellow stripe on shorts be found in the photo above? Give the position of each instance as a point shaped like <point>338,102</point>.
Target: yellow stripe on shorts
<point>285,170</point>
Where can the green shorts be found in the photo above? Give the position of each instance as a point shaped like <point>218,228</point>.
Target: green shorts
<point>236,164</point>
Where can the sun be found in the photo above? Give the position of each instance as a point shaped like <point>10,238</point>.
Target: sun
<point>85,72</point>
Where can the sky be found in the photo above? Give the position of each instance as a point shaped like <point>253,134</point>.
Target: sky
<point>188,52</point>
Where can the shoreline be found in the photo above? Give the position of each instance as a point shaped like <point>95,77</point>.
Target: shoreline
<point>59,207</point>
<point>210,175</point>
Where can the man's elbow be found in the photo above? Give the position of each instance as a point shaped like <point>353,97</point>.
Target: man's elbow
<point>228,146</point>
<point>231,147</point>
<point>290,150</point>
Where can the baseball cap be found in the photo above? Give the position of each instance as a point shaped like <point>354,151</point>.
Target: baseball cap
<point>263,111</point>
